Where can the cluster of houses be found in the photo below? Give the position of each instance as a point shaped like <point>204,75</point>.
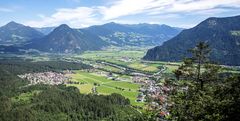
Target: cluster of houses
<point>157,93</point>
<point>51,78</point>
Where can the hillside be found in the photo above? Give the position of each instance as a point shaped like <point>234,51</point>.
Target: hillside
<point>134,34</point>
<point>64,39</point>
<point>14,33</point>
<point>222,34</point>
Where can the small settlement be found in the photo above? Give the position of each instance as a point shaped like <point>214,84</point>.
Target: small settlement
<point>51,78</point>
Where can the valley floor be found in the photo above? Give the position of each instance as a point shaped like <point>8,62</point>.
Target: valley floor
<point>117,70</point>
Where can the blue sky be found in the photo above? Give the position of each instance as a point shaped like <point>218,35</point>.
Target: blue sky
<point>83,13</point>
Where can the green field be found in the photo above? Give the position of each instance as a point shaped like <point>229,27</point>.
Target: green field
<point>111,68</point>
<point>126,57</point>
<point>105,86</point>
<point>84,88</point>
<point>144,66</point>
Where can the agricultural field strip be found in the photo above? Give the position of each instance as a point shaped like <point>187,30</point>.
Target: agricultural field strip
<point>114,57</point>
<point>108,87</point>
<point>107,90</point>
<point>85,88</point>
<point>107,83</point>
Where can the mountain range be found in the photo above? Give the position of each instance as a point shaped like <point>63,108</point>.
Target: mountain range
<point>63,39</point>
<point>134,34</point>
<point>14,34</point>
<point>222,34</point>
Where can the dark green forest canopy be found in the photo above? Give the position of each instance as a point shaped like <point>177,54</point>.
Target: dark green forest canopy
<point>46,102</point>
<point>27,66</point>
<point>66,103</point>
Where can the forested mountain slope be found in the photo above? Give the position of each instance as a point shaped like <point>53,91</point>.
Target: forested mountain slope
<point>222,34</point>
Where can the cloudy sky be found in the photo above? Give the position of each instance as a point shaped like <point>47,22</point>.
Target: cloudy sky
<point>83,13</point>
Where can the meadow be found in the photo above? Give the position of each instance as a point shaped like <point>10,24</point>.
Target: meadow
<point>128,57</point>
<point>105,86</point>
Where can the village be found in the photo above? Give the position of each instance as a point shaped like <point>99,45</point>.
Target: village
<point>50,78</point>
<point>155,95</point>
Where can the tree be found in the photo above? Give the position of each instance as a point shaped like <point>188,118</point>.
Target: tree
<point>228,95</point>
<point>211,72</point>
<point>178,73</point>
<point>218,101</point>
<point>186,70</point>
<point>200,56</point>
<point>191,69</point>
<point>5,104</point>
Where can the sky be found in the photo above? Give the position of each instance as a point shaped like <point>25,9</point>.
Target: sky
<point>84,13</point>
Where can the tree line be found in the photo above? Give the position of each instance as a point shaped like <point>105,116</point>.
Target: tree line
<point>209,95</point>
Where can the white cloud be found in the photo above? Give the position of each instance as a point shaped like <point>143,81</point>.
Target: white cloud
<point>78,17</point>
<point>154,7</point>
<point>116,10</point>
<point>198,5</point>
<point>125,7</point>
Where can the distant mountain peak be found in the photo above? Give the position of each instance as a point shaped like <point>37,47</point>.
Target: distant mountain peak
<point>112,23</point>
<point>64,39</point>
<point>13,24</point>
<point>164,25</point>
<point>63,28</point>
<point>14,33</point>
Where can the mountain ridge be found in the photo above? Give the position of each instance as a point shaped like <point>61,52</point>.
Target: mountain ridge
<point>134,34</point>
<point>15,33</point>
<point>217,32</point>
<point>64,39</point>
<point>90,38</point>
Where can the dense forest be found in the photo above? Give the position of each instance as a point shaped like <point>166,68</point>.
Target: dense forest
<point>65,103</point>
<point>45,103</point>
<point>204,92</point>
<point>28,66</point>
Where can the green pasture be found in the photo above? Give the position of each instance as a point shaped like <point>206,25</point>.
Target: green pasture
<point>144,66</point>
<point>130,58</point>
<point>105,86</point>
<point>84,88</point>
